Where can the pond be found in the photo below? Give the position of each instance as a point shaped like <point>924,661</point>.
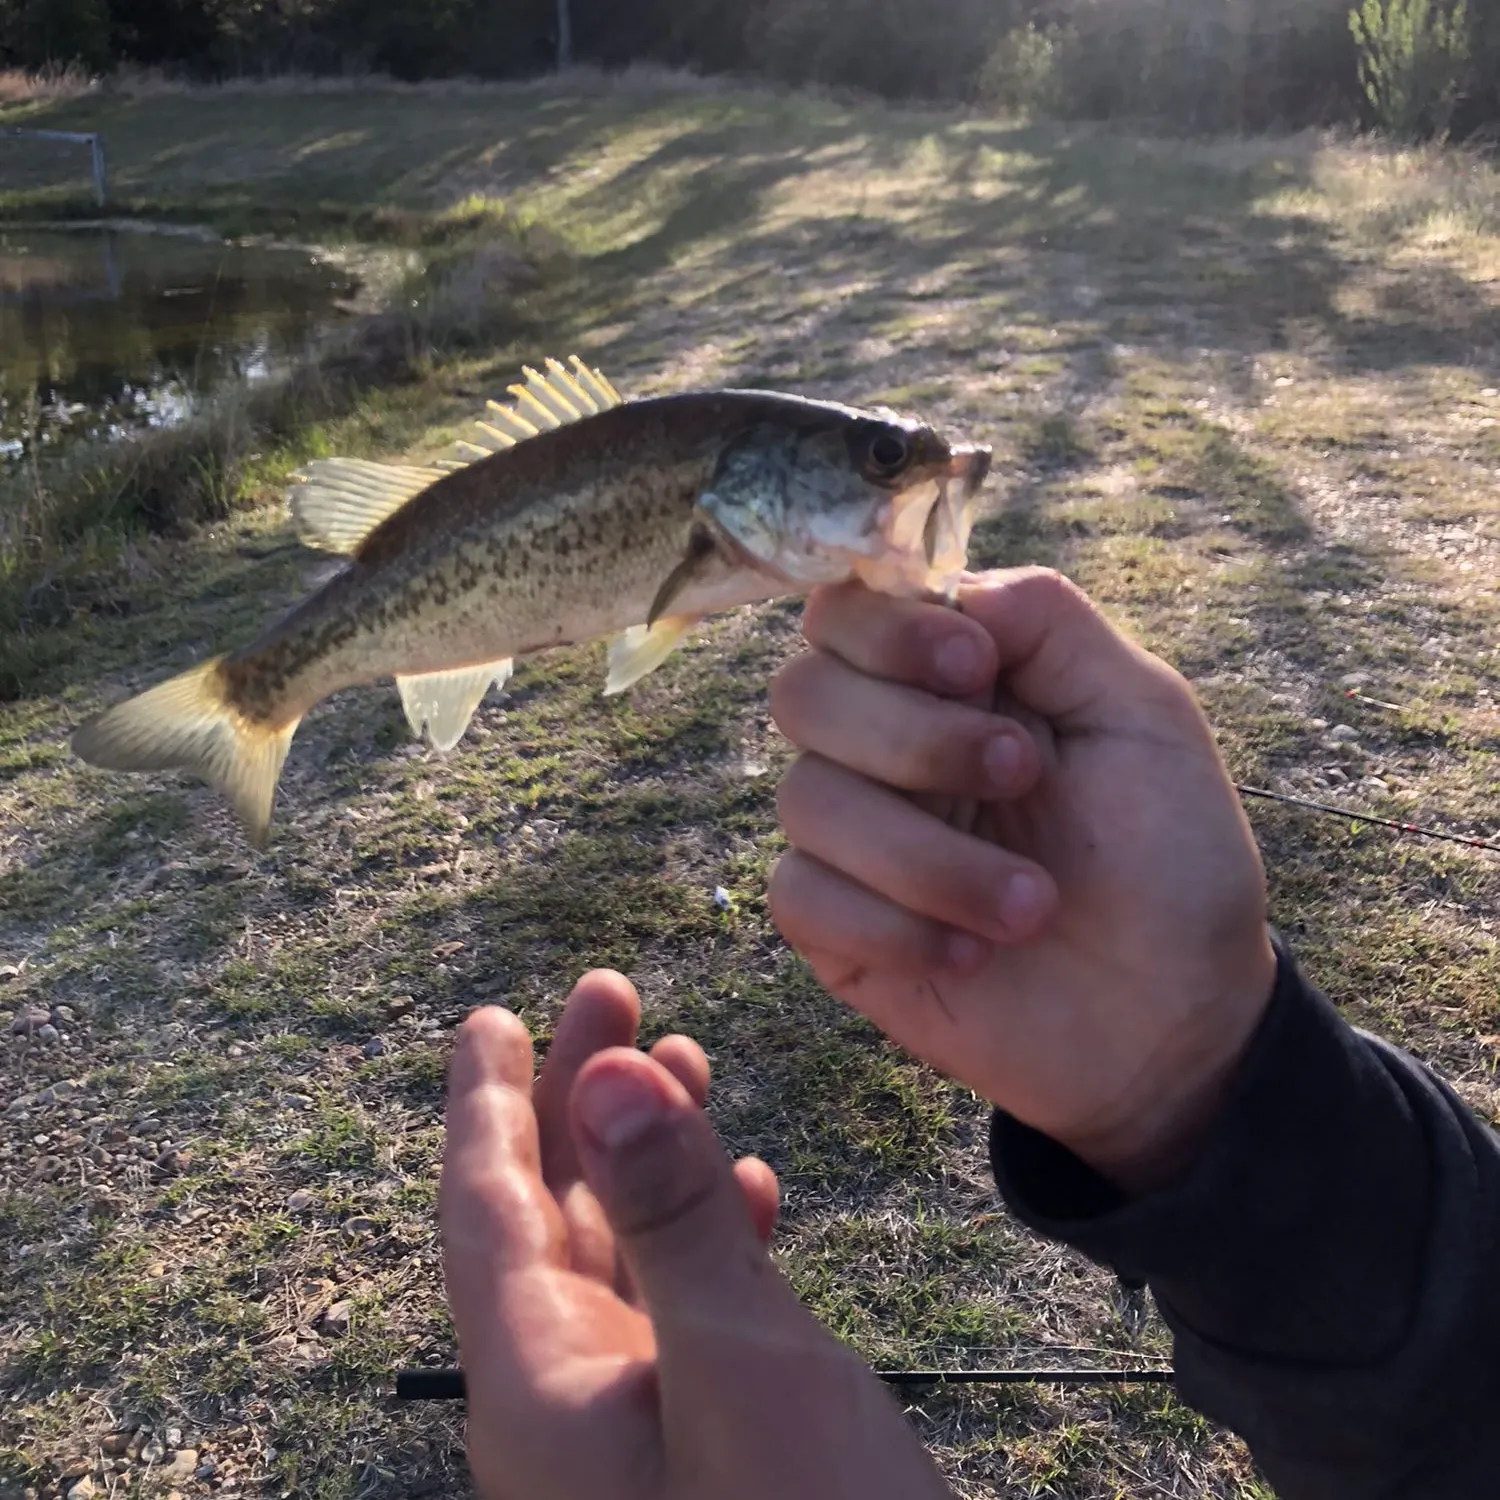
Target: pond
<point>108,331</point>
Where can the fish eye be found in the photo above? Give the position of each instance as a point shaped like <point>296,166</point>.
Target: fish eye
<point>889,452</point>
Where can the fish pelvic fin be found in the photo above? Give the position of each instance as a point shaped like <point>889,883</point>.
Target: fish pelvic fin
<point>445,701</point>
<point>642,649</point>
<point>188,723</point>
<point>337,502</point>
<point>566,393</point>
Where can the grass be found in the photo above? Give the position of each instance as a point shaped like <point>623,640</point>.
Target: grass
<point>1245,392</point>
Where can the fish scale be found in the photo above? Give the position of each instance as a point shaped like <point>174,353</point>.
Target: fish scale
<point>576,515</point>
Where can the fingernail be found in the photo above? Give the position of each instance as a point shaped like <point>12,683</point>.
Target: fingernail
<point>1002,761</point>
<point>1024,903</point>
<point>966,954</point>
<point>959,662</point>
<point>618,1108</point>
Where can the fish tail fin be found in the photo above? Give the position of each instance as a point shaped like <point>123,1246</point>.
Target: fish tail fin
<point>189,723</point>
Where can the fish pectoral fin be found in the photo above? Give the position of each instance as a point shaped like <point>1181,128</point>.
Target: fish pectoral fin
<point>702,550</point>
<point>561,396</point>
<point>445,701</point>
<point>337,502</point>
<point>642,649</point>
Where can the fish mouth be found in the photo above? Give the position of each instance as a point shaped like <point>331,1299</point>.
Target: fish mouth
<point>970,465</point>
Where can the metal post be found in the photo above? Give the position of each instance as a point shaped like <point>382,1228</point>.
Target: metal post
<point>564,35</point>
<point>101,175</point>
<point>95,143</point>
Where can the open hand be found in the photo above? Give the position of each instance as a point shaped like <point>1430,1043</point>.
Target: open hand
<point>1093,956</point>
<point>625,1335</point>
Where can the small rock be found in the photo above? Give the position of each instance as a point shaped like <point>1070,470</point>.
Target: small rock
<point>172,1437</point>
<point>152,1451</point>
<point>402,1005</point>
<point>1343,734</point>
<point>1317,723</point>
<point>172,1162</point>
<point>114,1444</point>
<point>447,950</point>
<point>82,1489</point>
<point>206,1470</point>
<point>19,1105</point>
<point>106,1207</point>
<point>26,1022</point>
<point>59,1093</point>
<point>375,1047</point>
<point>296,1101</point>
<point>335,1320</point>
<point>10,971</point>
<point>99,1156</point>
<point>48,1167</point>
<point>360,1228</point>
<point>48,1033</point>
<point>63,1015</point>
<point>156,1270</point>
<point>302,1200</point>
<point>117,1135</point>
<point>722,899</point>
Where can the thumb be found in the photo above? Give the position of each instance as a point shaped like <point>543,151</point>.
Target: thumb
<point>1063,659</point>
<point>670,1194</point>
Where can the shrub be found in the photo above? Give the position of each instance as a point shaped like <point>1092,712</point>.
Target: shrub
<point>1413,63</point>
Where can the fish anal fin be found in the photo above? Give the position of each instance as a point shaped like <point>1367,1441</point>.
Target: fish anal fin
<point>545,402</point>
<point>337,502</point>
<point>642,649</point>
<point>445,701</point>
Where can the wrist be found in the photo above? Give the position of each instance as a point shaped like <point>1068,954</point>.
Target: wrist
<point>1157,1139</point>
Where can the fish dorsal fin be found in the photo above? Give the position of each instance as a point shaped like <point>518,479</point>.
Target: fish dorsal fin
<point>445,701</point>
<point>642,649</point>
<point>544,402</point>
<point>337,502</point>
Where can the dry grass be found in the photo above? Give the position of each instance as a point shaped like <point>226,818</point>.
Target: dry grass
<point>56,85</point>
<point>1265,437</point>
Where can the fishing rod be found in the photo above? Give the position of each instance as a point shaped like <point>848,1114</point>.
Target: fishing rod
<point>449,1384</point>
<point>1327,809</point>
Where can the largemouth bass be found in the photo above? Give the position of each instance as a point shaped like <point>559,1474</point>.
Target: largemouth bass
<point>576,515</point>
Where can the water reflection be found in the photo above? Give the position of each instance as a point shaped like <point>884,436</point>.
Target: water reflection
<point>103,332</point>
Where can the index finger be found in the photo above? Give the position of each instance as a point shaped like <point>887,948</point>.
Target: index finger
<point>902,640</point>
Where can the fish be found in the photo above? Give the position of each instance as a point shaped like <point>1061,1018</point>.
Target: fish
<point>574,515</point>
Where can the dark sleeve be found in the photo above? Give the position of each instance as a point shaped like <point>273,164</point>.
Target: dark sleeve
<point>1330,1268</point>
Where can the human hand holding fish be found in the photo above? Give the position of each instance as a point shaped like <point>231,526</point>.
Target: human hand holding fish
<point>1090,953</point>
<point>576,515</point>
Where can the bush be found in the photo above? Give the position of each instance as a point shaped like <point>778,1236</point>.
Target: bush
<point>1207,65</point>
<point>903,49</point>
<point>1026,71</point>
<point>1413,63</point>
